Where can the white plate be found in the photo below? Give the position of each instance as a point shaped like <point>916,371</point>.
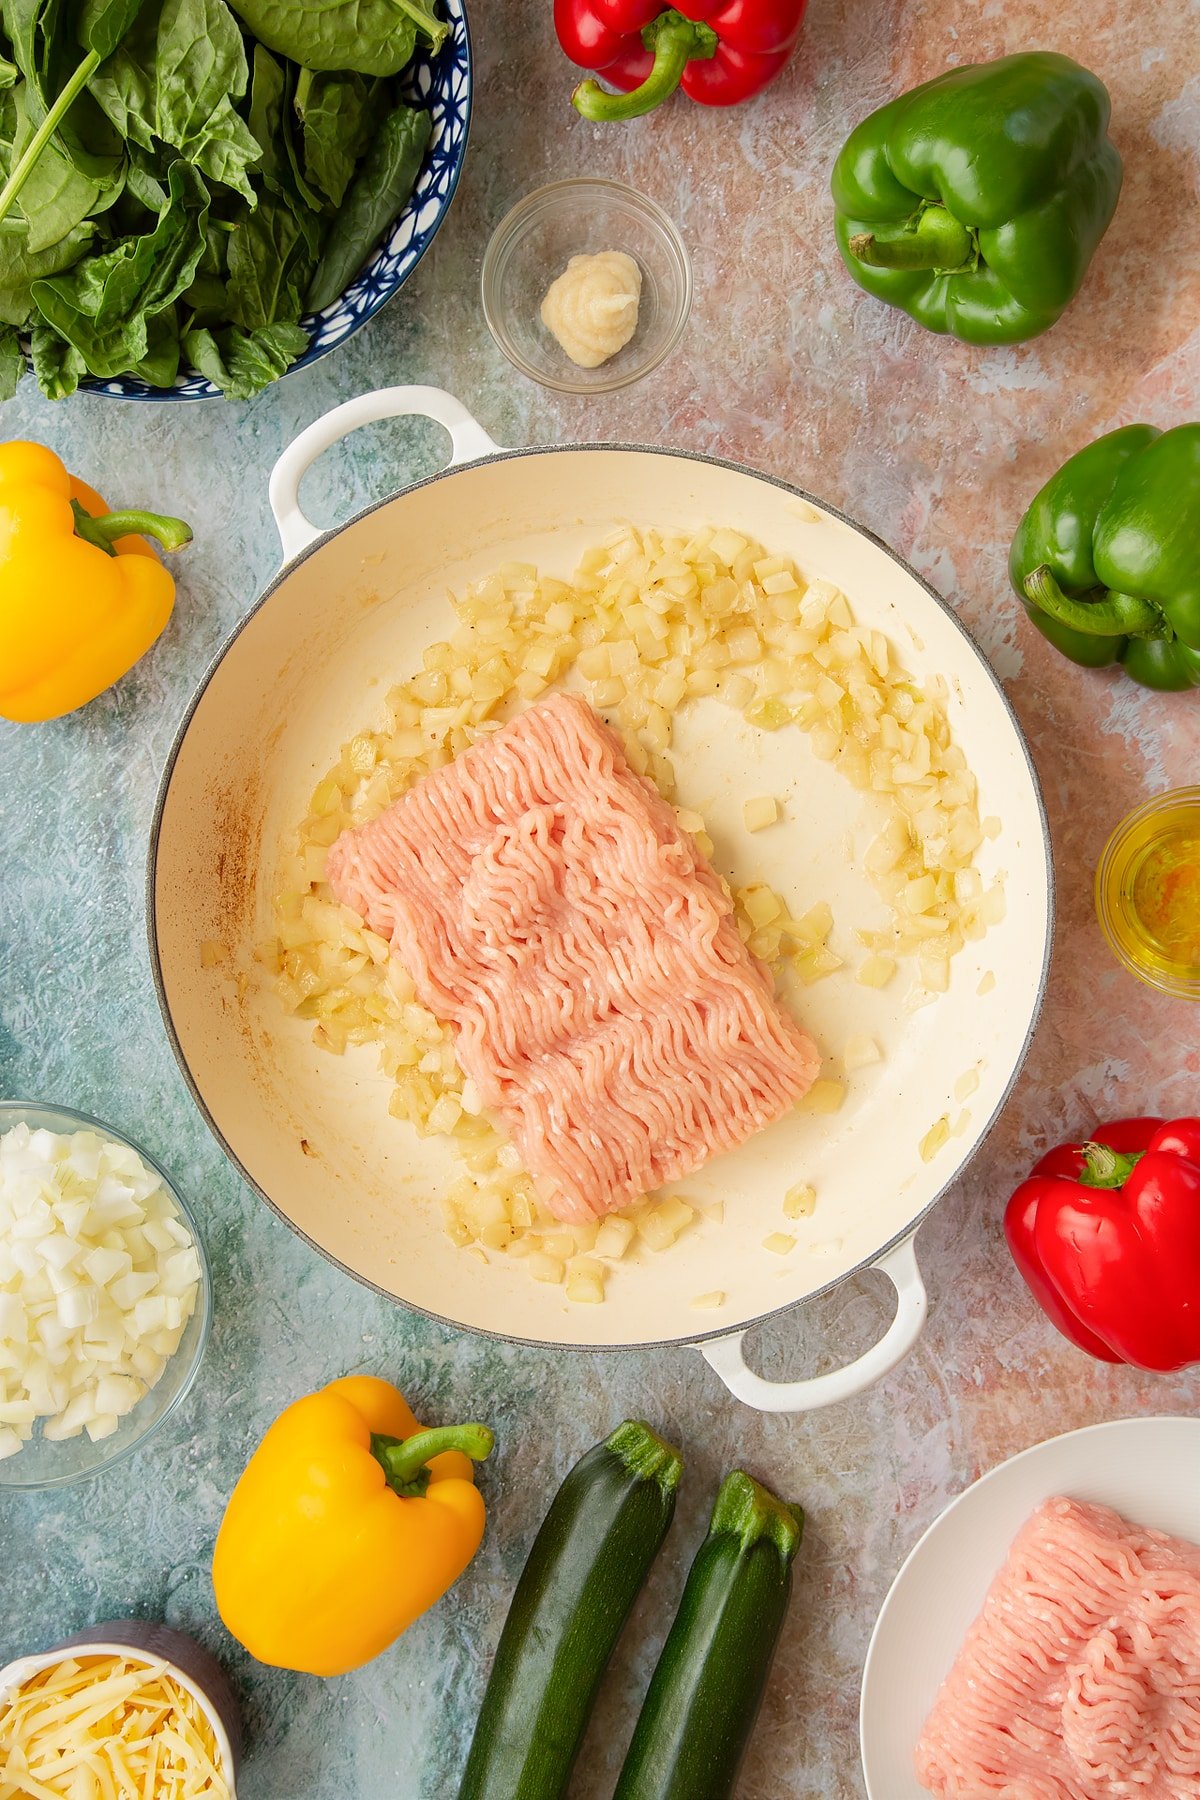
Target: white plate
<point>1147,1469</point>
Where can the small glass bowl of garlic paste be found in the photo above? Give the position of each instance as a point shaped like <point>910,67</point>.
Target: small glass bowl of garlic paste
<point>533,247</point>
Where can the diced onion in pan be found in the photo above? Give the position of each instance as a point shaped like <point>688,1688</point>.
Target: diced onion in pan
<point>759,812</point>
<point>934,1138</point>
<point>585,1281</point>
<point>800,1201</point>
<point>861,1050</point>
<point>614,1238</point>
<point>824,1097</point>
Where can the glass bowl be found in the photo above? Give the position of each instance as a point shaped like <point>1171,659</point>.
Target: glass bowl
<point>41,1464</point>
<point>533,244</point>
<point>1145,860</point>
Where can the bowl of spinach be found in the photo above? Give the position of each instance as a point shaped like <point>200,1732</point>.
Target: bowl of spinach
<point>196,197</point>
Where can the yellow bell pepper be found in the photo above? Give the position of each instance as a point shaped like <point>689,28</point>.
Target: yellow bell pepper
<point>348,1522</point>
<point>82,597</point>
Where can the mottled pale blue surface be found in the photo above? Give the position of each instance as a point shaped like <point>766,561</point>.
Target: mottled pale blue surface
<point>935,447</point>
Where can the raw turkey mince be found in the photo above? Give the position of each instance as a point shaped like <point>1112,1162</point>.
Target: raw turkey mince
<point>547,904</point>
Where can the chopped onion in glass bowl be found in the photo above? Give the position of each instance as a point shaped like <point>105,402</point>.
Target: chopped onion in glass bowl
<point>105,1296</point>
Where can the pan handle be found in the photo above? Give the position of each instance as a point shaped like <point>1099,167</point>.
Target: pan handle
<point>468,441</point>
<point>900,1266</point>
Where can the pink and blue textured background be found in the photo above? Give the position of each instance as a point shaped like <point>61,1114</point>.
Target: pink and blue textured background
<point>935,446</point>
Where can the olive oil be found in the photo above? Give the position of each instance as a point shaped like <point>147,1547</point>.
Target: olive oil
<point>1148,892</point>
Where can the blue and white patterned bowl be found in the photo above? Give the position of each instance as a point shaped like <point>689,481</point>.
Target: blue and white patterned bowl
<point>441,82</point>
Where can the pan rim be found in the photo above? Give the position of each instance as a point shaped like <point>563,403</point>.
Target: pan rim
<point>690,1339</point>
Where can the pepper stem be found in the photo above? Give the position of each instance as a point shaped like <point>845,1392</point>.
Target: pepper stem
<point>676,42</point>
<point>103,532</point>
<point>1104,1167</point>
<point>931,239</point>
<point>403,1460</point>
<point>45,131</point>
<point>1117,615</point>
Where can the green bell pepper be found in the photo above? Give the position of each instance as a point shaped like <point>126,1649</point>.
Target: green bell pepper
<point>976,202</point>
<point>1107,562</point>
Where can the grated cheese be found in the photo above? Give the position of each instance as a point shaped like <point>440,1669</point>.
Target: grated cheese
<point>111,1726</point>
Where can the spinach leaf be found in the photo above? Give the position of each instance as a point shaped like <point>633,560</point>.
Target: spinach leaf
<point>8,72</point>
<point>142,180</point>
<point>272,122</point>
<point>102,306</point>
<point>242,363</point>
<point>177,76</point>
<point>294,147</point>
<point>423,14</point>
<point>107,345</point>
<point>337,113</point>
<point>267,86</point>
<point>12,362</point>
<point>225,151</point>
<point>103,23</point>
<point>49,60</point>
<point>207,300</point>
<point>201,68</point>
<point>22,21</point>
<point>272,255</point>
<point>19,269</point>
<point>57,364</point>
<point>125,86</point>
<point>384,182</point>
<point>160,365</point>
<point>54,197</point>
<point>8,124</point>
<point>376,37</point>
<point>202,60</point>
<point>214,259</point>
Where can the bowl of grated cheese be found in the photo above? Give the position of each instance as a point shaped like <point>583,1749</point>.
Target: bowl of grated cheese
<point>125,1702</point>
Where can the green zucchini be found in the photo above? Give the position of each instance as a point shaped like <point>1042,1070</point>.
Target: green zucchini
<point>705,1693</point>
<point>586,1568</point>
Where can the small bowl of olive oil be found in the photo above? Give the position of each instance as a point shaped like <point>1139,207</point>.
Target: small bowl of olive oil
<point>1148,892</point>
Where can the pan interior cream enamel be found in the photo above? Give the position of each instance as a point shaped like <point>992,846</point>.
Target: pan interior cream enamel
<point>312,1131</point>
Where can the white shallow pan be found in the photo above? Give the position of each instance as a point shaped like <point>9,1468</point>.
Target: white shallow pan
<point>349,615</point>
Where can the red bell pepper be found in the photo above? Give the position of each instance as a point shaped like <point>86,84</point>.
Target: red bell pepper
<point>719,52</point>
<point>1107,1235</point>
